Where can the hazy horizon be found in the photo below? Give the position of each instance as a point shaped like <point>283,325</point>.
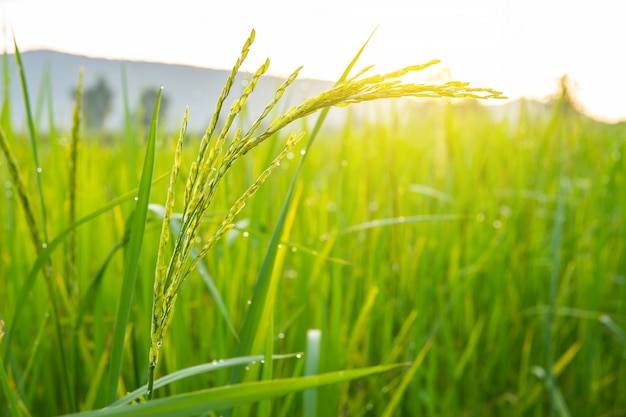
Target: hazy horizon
<point>519,47</point>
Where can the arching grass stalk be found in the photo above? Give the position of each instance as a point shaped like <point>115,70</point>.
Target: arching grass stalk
<point>215,159</point>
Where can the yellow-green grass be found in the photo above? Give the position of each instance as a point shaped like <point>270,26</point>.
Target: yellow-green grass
<point>432,234</point>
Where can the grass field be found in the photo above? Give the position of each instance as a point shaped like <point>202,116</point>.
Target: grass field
<point>486,258</point>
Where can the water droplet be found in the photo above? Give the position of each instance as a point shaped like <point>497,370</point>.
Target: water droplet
<point>39,170</point>
<point>214,362</point>
<point>401,219</point>
<point>246,234</point>
<point>294,249</point>
<point>299,355</point>
<point>277,163</point>
<point>262,360</point>
<point>290,155</point>
<point>369,407</point>
<point>280,245</point>
<point>44,245</point>
<point>149,392</point>
<point>249,302</point>
<point>303,151</point>
<point>247,368</point>
<point>281,335</point>
<point>344,163</point>
<point>480,217</point>
<point>136,198</point>
<point>497,224</point>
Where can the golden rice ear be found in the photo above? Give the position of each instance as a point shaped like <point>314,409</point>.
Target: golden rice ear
<point>213,163</point>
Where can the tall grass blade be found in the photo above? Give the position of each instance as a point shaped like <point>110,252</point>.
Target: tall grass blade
<point>406,380</point>
<point>203,401</point>
<point>5,113</point>
<point>71,282</point>
<point>260,294</point>
<point>557,238</point>
<point>33,140</point>
<point>194,371</point>
<point>132,256</point>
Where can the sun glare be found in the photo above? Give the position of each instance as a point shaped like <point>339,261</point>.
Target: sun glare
<point>522,48</point>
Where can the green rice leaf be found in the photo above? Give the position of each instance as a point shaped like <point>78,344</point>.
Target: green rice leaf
<point>261,289</point>
<point>198,402</point>
<point>33,139</point>
<point>196,370</point>
<point>132,256</point>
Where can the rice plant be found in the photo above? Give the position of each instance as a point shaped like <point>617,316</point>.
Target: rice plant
<point>459,259</point>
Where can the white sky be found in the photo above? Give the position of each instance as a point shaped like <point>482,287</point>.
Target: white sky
<point>521,47</point>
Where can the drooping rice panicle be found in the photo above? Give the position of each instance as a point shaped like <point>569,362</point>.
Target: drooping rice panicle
<point>212,165</point>
<point>159,282</point>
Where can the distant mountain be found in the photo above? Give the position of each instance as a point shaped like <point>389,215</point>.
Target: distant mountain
<point>57,73</point>
<point>52,78</point>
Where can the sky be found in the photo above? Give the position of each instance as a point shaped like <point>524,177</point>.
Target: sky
<point>520,47</point>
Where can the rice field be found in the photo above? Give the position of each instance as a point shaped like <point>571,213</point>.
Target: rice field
<point>434,261</point>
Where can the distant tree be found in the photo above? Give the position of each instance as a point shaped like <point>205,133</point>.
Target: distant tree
<point>97,103</point>
<point>147,101</point>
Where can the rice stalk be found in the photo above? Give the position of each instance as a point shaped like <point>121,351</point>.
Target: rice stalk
<point>71,283</point>
<point>213,162</point>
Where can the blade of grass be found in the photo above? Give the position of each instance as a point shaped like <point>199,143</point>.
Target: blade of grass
<point>203,401</point>
<point>265,407</point>
<point>401,220</point>
<point>260,294</point>
<point>193,371</point>
<point>71,279</point>
<point>5,115</point>
<point>33,140</point>
<point>556,244</point>
<point>132,257</point>
<point>408,377</point>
